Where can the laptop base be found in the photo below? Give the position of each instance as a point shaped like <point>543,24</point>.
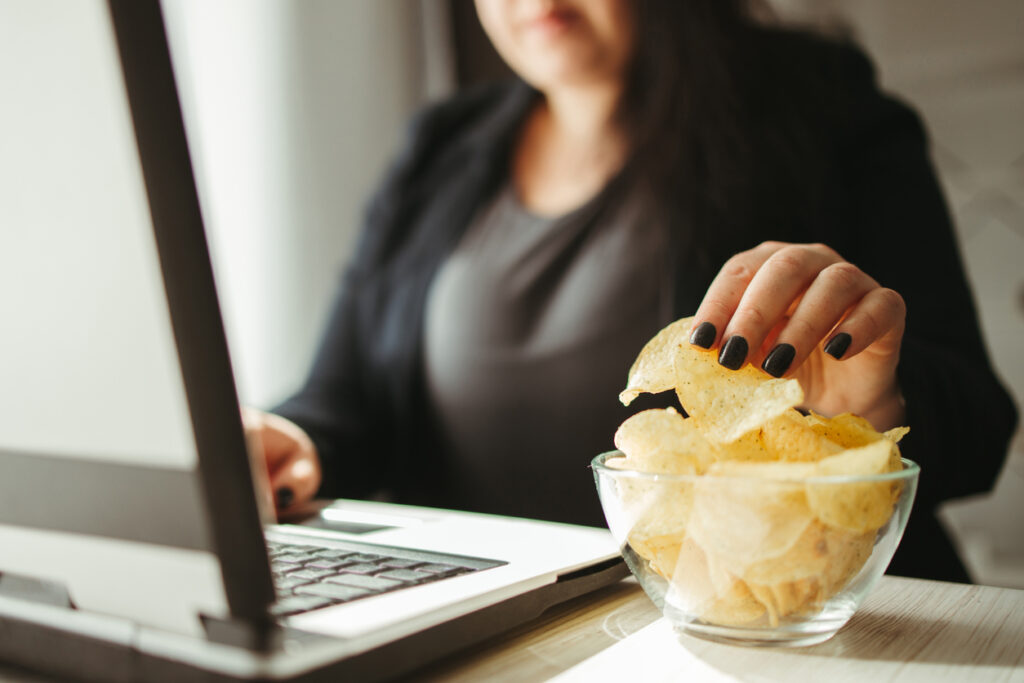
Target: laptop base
<point>101,648</point>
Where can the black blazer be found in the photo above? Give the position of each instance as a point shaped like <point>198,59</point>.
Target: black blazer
<point>838,162</point>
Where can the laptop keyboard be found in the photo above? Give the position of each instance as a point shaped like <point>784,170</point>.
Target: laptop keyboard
<point>309,577</point>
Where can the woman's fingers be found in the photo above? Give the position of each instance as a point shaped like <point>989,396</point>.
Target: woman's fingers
<point>878,318</point>
<point>835,289</point>
<point>775,303</point>
<point>295,479</point>
<point>772,292</point>
<point>726,291</point>
<point>293,466</point>
<point>753,294</point>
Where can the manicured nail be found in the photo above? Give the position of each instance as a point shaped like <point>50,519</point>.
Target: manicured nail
<point>838,345</point>
<point>285,497</point>
<point>733,352</point>
<point>703,335</point>
<point>778,360</point>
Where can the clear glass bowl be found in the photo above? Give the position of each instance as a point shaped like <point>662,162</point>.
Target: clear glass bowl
<point>751,560</point>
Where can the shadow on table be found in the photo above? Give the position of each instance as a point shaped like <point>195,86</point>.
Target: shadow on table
<point>889,638</point>
<point>924,640</point>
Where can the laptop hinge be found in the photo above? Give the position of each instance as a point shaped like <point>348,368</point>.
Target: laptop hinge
<point>35,590</point>
<point>266,636</point>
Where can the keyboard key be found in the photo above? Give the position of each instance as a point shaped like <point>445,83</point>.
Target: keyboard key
<point>333,591</point>
<point>407,575</point>
<point>286,583</point>
<point>399,563</point>
<point>364,568</point>
<point>298,603</point>
<point>334,553</point>
<point>295,547</point>
<point>362,581</point>
<point>440,569</point>
<point>327,563</point>
<point>367,557</point>
<point>311,574</point>
<point>293,558</point>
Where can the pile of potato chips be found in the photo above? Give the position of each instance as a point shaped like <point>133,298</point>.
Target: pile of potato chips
<point>758,536</point>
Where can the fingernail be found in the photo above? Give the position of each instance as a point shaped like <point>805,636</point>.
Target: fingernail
<point>703,335</point>
<point>838,345</point>
<point>733,353</point>
<point>778,360</point>
<point>285,497</point>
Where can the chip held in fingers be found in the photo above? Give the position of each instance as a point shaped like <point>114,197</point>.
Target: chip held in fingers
<point>776,510</point>
<point>653,371</point>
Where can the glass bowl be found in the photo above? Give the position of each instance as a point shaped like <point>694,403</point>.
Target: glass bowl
<point>754,560</point>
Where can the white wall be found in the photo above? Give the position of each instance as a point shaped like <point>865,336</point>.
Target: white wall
<point>293,109</point>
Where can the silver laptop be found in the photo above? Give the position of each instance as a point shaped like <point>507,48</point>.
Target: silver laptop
<point>131,543</point>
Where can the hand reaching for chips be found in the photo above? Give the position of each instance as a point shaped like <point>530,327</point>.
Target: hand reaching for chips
<point>803,311</point>
<point>778,511</point>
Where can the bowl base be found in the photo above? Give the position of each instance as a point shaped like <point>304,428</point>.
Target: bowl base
<point>797,634</point>
<point>754,637</point>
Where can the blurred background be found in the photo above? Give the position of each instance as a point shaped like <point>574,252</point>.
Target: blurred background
<point>293,109</point>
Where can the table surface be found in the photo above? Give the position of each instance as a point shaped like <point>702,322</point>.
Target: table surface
<point>907,630</point>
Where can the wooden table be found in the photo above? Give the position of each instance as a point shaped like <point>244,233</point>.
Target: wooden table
<point>907,630</point>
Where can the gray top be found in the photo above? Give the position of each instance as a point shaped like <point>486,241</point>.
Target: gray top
<point>531,326</point>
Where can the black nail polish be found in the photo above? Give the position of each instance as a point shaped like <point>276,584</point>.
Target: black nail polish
<point>778,360</point>
<point>703,335</point>
<point>733,352</point>
<point>838,345</point>
<point>285,497</point>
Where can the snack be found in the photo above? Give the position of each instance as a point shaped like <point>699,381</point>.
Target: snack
<point>771,520</point>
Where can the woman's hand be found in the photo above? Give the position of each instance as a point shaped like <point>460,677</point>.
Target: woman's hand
<point>293,466</point>
<point>802,311</point>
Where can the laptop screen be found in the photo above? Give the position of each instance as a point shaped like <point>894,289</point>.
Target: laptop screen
<point>102,491</point>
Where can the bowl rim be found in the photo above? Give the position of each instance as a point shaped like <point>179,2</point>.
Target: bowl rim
<point>910,471</point>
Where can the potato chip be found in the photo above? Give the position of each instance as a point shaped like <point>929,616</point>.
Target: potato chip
<point>704,589</point>
<point>656,509</point>
<point>663,442</point>
<point>851,431</point>
<point>790,437</point>
<point>818,565</point>
<point>729,403</point>
<point>748,520</point>
<point>652,514</point>
<point>857,462</point>
<point>661,551</point>
<point>808,556</point>
<point>855,506</point>
<point>896,434</point>
<point>847,553</point>
<point>747,448</point>
<point>788,599</point>
<point>652,371</point>
<point>774,470</point>
<point>847,430</point>
<point>648,509</point>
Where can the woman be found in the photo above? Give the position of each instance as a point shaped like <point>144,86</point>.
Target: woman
<point>656,159</point>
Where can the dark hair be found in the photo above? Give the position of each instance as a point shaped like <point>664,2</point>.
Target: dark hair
<point>683,107</point>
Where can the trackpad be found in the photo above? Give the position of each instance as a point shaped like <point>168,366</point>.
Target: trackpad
<point>344,526</point>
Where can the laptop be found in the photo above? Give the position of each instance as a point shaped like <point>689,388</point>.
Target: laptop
<point>132,546</point>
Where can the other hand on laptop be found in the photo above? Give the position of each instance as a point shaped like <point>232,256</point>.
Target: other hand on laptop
<point>292,462</point>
